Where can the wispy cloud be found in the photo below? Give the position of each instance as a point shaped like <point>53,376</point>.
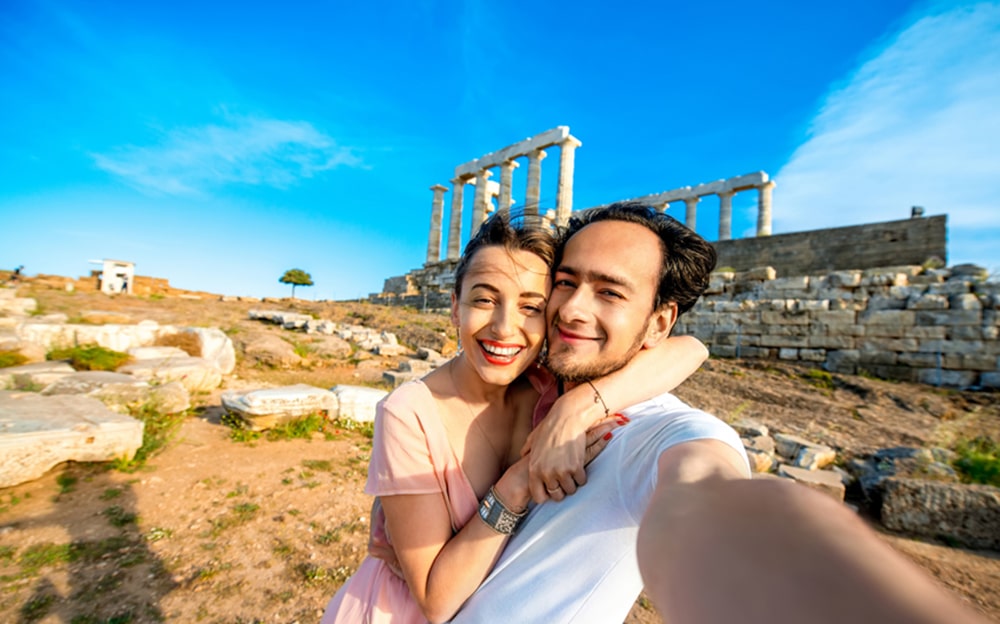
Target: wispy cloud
<point>918,123</point>
<point>243,150</point>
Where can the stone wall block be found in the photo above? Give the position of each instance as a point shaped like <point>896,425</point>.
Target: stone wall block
<point>948,378</point>
<point>885,331</point>
<point>834,317</point>
<point>991,333</point>
<point>926,332</point>
<point>880,277</point>
<point>965,301</point>
<point>990,380</point>
<point>831,342</point>
<point>758,274</point>
<point>889,317</point>
<point>885,302</point>
<point>968,514</point>
<point>965,332</point>
<point>962,347</point>
<point>784,318</point>
<point>811,305</point>
<point>725,351</point>
<point>889,344</point>
<point>788,354</point>
<point>878,357</point>
<point>949,288</point>
<point>979,362</point>
<point>927,302</point>
<point>843,361</point>
<point>812,355</point>
<point>844,279</point>
<point>784,341</point>
<point>948,317</point>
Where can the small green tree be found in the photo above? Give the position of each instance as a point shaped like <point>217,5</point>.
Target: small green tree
<point>296,277</point>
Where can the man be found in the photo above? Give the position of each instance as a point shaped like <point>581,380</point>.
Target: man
<point>575,560</point>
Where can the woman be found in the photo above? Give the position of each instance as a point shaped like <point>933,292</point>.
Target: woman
<point>452,439</point>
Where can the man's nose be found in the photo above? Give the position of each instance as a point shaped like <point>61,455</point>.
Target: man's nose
<point>575,306</point>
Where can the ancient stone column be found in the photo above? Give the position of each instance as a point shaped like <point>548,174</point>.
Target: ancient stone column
<point>764,209</point>
<point>564,192</point>
<point>482,197</point>
<point>691,214</point>
<point>534,190</point>
<point>455,225</point>
<point>434,238</point>
<point>726,215</point>
<point>506,183</point>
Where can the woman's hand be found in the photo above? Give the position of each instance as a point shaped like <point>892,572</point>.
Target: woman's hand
<point>564,463</point>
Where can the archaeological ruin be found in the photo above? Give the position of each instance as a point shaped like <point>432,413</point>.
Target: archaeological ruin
<point>872,298</point>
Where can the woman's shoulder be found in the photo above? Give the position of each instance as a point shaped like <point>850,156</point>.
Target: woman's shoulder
<point>410,396</point>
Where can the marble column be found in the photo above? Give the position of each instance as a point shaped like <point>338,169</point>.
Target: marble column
<point>506,184</point>
<point>564,192</point>
<point>663,208</point>
<point>691,214</point>
<point>479,203</point>
<point>726,215</point>
<point>534,191</point>
<point>455,225</point>
<point>437,211</point>
<point>764,209</point>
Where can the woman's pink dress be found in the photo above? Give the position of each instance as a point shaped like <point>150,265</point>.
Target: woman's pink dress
<point>410,455</point>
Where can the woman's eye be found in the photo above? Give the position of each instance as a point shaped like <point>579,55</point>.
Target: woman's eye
<point>532,310</point>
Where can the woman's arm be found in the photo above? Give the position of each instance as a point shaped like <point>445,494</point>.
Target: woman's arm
<point>442,570</point>
<point>557,443</point>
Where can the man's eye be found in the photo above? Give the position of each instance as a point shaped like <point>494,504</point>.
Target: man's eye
<point>612,294</point>
<point>564,283</point>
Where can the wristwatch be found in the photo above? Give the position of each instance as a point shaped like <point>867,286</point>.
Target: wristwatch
<point>497,516</point>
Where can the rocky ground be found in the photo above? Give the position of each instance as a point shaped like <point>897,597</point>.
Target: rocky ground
<point>215,530</point>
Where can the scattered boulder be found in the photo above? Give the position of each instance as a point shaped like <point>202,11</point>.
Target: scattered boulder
<point>125,398</point>
<point>329,346</point>
<point>37,374</point>
<point>197,374</point>
<point>825,481</point>
<point>85,382</point>
<point>358,402</point>
<point>216,347</point>
<point>270,350</point>
<point>38,432</point>
<point>266,408</point>
<point>966,514</point>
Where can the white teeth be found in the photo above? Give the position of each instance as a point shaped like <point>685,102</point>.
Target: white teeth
<point>504,351</point>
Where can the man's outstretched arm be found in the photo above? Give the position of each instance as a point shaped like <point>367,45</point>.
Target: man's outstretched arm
<point>722,551</point>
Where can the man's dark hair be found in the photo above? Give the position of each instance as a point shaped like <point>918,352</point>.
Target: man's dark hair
<point>688,259</point>
<point>511,233</point>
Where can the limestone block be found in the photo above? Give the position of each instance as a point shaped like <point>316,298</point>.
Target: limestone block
<point>815,457</point>
<point>344,334</point>
<point>991,333</point>
<point>725,351</point>
<point>887,317</point>
<point>824,481</point>
<point>39,373</point>
<point>398,378</point>
<point>788,354</point>
<point>969,271</point>
<point>84,382</point>
<point>758,274</point>
<point>888,344</point>
<point>962,347</point>
<point>318,326</point>
<point>788,445</point>
<point>784,341</point>
<point>877,357</point>
<point>785,283</point>
<point>760,461</point>
<point>879,277</point>
<point>927,302</point>
<point>727,306</point>
<point>882,302</point>
<point>38,432</point>
<point>968,514</point>
<point>830,342</point>
<point>416,366</point>
<point>924,332</point>
<point>844,279</point>
<point>750,428</point>
<point>290,320</point>
<point>157,353</point>
<point>426,353</point>
<point>884,331</point>
<point>785,318</point>
<point>918,360</point>
<point>980,362</point>
<point>966,301</point>
<point>216,347</point>
<point>812,355</point>
<point>965,332</point>
<point>168,398</point>
<point>990,380</point>
<point>763,444</point>
<point>331,347</point>
<point>390,350</point>
<point>949,288</point>
<point>256,314</point>
<point>270,350</point>
<point>196,374</point>
<point>265,408</point>
<point>389,338</point>
<point>947,378</point>
<point>358,402</point>
<point>811,305</point>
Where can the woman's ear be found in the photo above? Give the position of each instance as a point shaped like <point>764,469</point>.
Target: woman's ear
<point>660,324</point>
<point>454,310</point>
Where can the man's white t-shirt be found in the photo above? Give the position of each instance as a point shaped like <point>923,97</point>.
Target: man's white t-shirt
<point>575,561</point>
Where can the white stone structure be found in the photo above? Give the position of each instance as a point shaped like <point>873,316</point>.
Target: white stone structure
<point>477,172</point>
<point>117,276</point>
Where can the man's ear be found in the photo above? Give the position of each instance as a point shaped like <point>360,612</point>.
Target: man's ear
<point>454,309</point>
<point>660,324</point>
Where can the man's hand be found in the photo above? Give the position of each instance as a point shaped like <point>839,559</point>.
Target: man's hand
<point>557,468</point>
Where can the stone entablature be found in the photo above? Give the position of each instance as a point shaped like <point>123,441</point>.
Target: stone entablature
<point>725,189</point>
<point>931,326</point>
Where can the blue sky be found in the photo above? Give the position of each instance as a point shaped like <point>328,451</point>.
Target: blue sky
<point>217,144</point>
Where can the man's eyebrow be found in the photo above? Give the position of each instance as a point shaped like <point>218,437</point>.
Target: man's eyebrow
<point>597,276</point>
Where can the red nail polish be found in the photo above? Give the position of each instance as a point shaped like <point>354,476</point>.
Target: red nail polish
<point>607,436</point>
<point>623,417</point>
<point>620,421</point>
